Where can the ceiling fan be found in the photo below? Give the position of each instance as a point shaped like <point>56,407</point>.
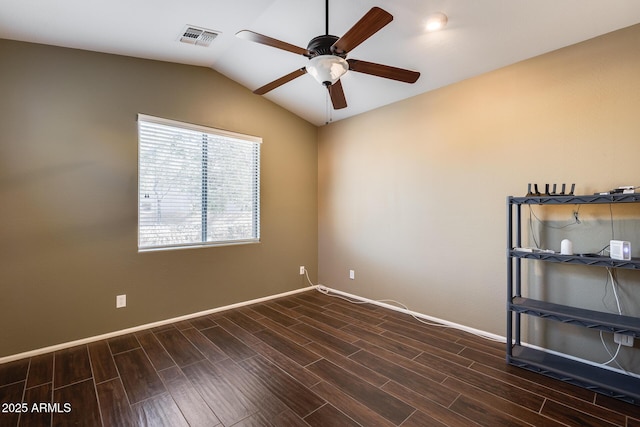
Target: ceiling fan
<point>327,56</point>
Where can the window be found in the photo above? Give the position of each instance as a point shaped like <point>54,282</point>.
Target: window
<point>197,185</point>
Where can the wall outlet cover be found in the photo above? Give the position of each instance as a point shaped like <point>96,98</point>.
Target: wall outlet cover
<point>626,340</point>
<point>121,301</point>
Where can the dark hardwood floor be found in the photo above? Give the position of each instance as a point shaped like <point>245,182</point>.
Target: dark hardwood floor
<point>307,359</point>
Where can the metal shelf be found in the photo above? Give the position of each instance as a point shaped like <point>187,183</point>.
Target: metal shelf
<point>572,200</point>
<point>600,380</point>
<point>598,261</point>
<point>607,322</point>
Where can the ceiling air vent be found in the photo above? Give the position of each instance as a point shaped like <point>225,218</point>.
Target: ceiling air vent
<point>198,36</point>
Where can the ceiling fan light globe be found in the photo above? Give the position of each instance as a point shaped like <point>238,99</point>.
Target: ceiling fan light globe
<point>327,69</point>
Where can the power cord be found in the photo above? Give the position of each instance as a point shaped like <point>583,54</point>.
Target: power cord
<point>615,294</point>
<point>323,290</point>
<point>576,219</point>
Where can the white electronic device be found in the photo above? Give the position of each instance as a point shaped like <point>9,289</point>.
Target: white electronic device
<point>629,189</point>
<point>620,249</point>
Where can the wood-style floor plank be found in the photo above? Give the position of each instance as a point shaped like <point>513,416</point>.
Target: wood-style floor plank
<point>156,352</point>
<point>274,315</point>
<point>71,366</point>
<point>14,372</point>
<point>195,409</point>
<point>320,317</point>
<point>425,335</point>
<point>572,416</point>
<point>253,389</point>
<point>11,394</point>
<point>491,385</point>
<point>139,378</point>
<point>338,333</point>
<point>306,359</point>
<point>349,312</point>
<point>374,398</point>
<point>350,406</point>
<point>323,338</point>
<point>503,405</point>
<point>229,405</point>
<point>40,370</point>
<point>123,343</point>
<point>300,374</point>
<point>36,396</point>
<point>297,397</point>
<point>179,347</point>
<point>484,414</point>
<point>420,419</point>
<point>242,334</point>
<point>384,342</point>
<point>114,404</point>
<point>202,322</point>
<point>347,364</point>
<point>633,422</point>
<point>618,406</point>
<point>254,420</point>
<point>410,379</point>
<point>244,321</point>
<point>83,405</point>
<point>229,344</point>
<point>428,406</point>
<point>328,415</point>
<point>299,354</point>
<point>158,411</point>
<point>285,332</point>
<point>289,419</point>
<point>102,363</point>
<point>204,345</point>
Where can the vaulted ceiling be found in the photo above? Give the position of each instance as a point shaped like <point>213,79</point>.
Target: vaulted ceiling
<point>480,36</point>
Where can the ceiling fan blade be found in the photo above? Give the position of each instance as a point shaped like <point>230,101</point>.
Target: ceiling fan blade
<point>337,95</point>
<point>367,26</point>
<point>259,38</point>
<point>279,82</point>
<point>385,71</point>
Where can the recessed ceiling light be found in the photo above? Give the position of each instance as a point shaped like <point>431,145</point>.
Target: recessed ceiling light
<point>436,21</point>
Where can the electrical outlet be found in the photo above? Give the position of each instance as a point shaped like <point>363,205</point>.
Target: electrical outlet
<point>121,301</point>
<point>626,340</point>
<point>302,270</point>
<point>352,274</point>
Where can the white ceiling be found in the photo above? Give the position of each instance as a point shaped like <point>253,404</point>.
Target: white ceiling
<point>481,35</point>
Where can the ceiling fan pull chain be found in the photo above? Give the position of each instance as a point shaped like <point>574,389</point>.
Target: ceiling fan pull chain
<point>327,109</point>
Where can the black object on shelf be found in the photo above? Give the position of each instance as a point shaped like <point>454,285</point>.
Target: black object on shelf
<point>599,379</point>
<point>552,193</point>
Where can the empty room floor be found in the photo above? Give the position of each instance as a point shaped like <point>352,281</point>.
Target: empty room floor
<point>305,359</point>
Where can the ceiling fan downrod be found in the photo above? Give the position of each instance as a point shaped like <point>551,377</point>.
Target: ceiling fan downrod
<point>326,21</point>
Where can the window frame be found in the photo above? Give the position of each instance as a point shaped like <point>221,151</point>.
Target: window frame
<point>256,171</point>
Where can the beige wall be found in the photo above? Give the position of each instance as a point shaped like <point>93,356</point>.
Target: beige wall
<point>412,195</point>
<point>68,196</point>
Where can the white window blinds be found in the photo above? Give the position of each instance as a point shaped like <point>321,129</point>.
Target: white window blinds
<point>197,185</point>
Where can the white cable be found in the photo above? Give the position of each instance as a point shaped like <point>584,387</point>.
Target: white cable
<point>615,294</point>
<point>439,325</point>
<point>613,356</point>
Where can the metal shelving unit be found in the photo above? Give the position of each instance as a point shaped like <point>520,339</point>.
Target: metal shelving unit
<point>598,379</point>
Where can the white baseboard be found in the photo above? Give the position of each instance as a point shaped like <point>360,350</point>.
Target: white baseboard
<point>474,331</point>
<point>88,340</point>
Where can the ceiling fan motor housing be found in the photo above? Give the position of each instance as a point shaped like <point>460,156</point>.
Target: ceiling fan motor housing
<point>321,45</point>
